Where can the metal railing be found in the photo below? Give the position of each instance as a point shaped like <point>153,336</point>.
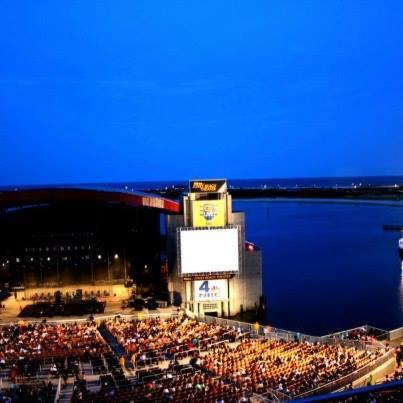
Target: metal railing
<point>352,377</point>
<point>275,396</point>
<point>180,355</point>
<point>273,333</point>
<point>371,332</point>
<point>58,390</point>
<point>217,344</point>
<point>97,318</point>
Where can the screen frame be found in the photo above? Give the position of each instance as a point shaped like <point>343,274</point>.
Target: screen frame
<point>206,274</point>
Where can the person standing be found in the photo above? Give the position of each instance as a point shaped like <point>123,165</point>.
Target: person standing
<point>133,360</point>
<point>399,356</point>
<point>122,361</point>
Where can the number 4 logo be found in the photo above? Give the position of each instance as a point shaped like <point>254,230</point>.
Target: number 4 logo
<point>204,286</point>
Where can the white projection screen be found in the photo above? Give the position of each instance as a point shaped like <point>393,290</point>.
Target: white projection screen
<point>209,250</point>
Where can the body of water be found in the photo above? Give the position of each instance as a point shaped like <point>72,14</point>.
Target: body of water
<point>327,265</point>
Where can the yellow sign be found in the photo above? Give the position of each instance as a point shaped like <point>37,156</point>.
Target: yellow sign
<point>208,186</point>
<point>209,213</point>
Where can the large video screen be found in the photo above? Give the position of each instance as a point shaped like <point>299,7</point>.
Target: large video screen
<point>209,250</point>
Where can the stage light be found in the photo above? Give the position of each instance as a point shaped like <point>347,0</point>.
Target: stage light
<point>116,256</point>
<point>99,257</point>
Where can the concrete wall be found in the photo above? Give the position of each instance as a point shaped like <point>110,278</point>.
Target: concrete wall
<point>253,277</point>
<point>396,334</point>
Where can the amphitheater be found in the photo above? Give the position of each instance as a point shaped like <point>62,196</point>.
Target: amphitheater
<point>66,250</point>
<point>172,355</point>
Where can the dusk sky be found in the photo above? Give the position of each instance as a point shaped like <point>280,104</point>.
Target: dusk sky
<point>96,91</point>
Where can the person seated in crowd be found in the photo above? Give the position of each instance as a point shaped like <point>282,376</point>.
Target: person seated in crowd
<point>24,343</point>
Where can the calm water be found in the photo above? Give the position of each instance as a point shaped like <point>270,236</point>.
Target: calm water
<point>327,266</point>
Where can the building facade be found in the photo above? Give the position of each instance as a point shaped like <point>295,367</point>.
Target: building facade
<point>213,270</point>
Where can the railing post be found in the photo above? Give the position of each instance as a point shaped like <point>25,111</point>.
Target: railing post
<point>59,388</point>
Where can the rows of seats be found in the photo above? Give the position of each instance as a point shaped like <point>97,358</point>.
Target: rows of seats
<point>190,385</point>
<point>255,365</point>
<point>223,364</point>
<point>152,340</point>
<point>25,347</point>
<point>290,367</point>
<point>29,393</point>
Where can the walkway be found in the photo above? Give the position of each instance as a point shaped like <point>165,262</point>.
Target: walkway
<point>115,346</point>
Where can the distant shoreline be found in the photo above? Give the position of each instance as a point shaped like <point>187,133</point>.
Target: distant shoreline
<point>374,194</point>
<point>366,202</point>
<point>352,193</point>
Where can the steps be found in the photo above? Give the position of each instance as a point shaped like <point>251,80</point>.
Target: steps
<point>117,349</point>
<point>66,393</point>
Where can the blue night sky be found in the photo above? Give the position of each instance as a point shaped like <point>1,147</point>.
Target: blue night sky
<point>94,91</point>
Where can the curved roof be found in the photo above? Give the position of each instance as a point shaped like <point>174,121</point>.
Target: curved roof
<point>33,196</point>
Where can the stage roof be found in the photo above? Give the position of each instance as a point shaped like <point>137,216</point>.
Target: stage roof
<point>19,197</point>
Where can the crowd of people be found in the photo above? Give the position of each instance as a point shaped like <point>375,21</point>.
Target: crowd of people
<point>156,338</point>
<point>28,393</point>
<point>224,363</point>
<point>366,335</point>
<point>289,367</point>
<point>171,386</point>
<point>253,365</point>
<point>26,345</point>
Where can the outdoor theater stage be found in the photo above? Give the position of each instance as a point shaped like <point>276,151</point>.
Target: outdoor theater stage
<point>113,307</point>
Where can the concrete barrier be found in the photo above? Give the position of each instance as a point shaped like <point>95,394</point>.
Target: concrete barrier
<point>396,334</point>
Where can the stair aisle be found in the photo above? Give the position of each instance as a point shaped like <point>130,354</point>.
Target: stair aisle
<point>117,349</point>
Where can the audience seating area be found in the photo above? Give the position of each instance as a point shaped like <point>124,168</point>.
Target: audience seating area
<point>29,393</point>
<point>176,359</point>
<point>26,348</point>
<point>154,340</point>
<point>290,367</point>
<point>180,384</point>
